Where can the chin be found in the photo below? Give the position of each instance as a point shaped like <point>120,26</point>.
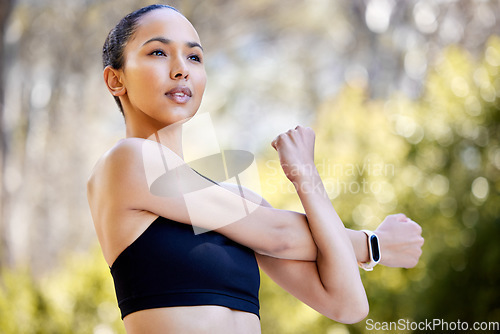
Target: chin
<point>179,118</point>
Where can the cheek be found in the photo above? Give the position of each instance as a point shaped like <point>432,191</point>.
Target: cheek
<point>144,77</point>
<point>201,82</point>
<point>148,77</point>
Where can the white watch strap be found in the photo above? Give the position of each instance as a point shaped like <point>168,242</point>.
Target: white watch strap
<point>368,266</point>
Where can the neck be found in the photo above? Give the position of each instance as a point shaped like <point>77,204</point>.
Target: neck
<point>169,136</point>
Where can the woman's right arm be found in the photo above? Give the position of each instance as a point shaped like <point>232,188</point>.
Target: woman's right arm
<point>133,165</point>
<point>334,285</point>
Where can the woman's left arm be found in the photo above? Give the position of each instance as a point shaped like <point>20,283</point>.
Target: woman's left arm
<point>400,238</point>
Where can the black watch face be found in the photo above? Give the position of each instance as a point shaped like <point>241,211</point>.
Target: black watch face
<point>375,249</point>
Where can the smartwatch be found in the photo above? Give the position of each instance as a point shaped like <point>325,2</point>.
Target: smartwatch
<point>373,250</point>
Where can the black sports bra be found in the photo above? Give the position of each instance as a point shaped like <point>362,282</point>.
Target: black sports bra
<point>168,265</point>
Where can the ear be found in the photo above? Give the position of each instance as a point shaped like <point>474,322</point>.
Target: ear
<point>113,80</point>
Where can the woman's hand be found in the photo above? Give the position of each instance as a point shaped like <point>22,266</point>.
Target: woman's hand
<point>400,241</point>
<point>296,153</point>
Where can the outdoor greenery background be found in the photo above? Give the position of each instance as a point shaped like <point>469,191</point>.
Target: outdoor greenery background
<point>412,86</point>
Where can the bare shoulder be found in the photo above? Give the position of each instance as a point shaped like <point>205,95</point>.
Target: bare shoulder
<point>125,150</point>
<point>122,178</point>
<point>113,190</point>
<point>118,169</point>
<point>125,154</point>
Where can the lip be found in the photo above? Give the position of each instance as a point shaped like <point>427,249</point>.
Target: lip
<point>179,94</point>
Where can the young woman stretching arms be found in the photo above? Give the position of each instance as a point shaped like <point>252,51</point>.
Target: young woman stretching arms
<point>167,278</point>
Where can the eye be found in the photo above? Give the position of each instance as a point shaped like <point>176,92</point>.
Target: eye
<point>195,58</point>
<point>158,53</point>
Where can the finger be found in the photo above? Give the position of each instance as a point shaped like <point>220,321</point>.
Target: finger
<point>282,137</point>
<point>274,142</point>
<point>402,217</point>
<point>293,135</point>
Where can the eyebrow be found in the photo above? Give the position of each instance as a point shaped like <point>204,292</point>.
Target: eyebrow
<point>168,41</point>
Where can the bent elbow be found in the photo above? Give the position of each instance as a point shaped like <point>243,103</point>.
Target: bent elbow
<point>351,314</point>
<point>356,316</point>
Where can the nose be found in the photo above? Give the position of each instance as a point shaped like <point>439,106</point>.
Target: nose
<point>179,69</point>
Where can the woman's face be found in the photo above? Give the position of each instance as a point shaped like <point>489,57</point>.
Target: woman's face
<point>164,75</point>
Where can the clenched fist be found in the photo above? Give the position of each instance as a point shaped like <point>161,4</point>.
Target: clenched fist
<point>400,241</point>
<point>296,152</point>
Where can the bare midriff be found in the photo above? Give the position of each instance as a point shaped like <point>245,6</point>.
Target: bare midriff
<point>205,319</point>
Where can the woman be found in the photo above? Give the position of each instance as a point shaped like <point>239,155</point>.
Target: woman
<point>169,280</point>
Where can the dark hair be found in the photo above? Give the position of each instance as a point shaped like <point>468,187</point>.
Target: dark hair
<point>112,51</point>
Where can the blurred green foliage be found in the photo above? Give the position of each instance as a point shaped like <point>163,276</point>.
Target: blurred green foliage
<point>76,298</point>
<point>436,158</point>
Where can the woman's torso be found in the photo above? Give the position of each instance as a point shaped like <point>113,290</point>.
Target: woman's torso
<point>121,231</point>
